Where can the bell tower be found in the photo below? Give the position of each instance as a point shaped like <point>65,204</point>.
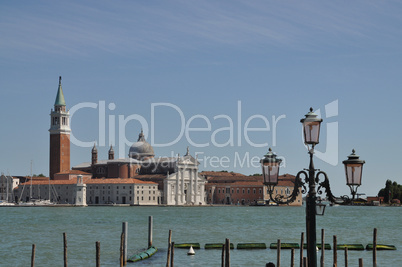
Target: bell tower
<point>59,135</point>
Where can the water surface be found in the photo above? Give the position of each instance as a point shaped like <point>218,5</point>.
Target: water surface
<point>44,226</point>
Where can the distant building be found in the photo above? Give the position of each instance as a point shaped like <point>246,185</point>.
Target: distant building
<point>7,185</point>
<point>238,189</point>
<point>140,179</point>
<point>97,191</point>
<point>375,201</point>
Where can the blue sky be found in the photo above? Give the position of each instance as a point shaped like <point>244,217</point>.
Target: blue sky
<point>212,60</point>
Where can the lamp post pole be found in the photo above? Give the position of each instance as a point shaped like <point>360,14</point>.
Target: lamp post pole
<point>310,215</point>
<point>270,170</point>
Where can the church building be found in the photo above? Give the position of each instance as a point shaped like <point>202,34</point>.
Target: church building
<point>139,179</point>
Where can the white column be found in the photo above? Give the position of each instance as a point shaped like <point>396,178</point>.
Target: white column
<point>176,194</point>
<point>196,198</point>
<point>191,186</point>
<point>182,186</point>
<point>168,192</point>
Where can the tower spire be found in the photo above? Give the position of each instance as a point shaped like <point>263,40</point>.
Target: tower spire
<point>60,96</point>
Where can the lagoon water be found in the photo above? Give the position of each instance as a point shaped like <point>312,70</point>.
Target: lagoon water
<point>44,226</point>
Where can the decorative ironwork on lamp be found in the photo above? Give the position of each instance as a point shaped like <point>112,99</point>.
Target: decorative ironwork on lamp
<point>270,169</point>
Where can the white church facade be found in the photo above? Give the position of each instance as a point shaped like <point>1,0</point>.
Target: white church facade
<point>186,186</point>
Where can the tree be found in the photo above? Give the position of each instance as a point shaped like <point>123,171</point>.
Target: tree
<point>392,190</point>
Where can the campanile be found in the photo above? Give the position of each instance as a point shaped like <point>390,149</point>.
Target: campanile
<point>59,135</point>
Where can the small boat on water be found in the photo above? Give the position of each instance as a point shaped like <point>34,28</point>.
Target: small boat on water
<point>5,203</point>
<point>37,202</point>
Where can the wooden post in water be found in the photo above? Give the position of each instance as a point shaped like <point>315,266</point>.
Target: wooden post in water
<point>125,237</point>
<point>278,253</point>
<point>65,249</point>
<point>346,257</point>
<point>301,249</point>
<point>304,262</point>
<point>97,245</point>
<point>292,258</point>
<point>227,252</point>
<point>223,256</point>
<point>121,250</point>
<point>335,253</point>
<point>169,248</point>
<point>322,246</point>
<point>360,262</point>
<point>172,256</point>
<point>150,231</point>
<point>33,255</point>
<point>375,248</point>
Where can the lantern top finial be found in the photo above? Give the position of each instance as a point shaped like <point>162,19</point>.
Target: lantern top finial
<point>353,159</point>
<point>270,157</point>
<point>311,117</point>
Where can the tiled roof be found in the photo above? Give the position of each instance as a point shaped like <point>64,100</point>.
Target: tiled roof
<point>150,176</point>
<point>238,183</point>
<point>74,172</point>
<point>218,174</point>
<point>91,181</point>
<point>231,179</point>
<point>117,181</point>
<point>283,180</point>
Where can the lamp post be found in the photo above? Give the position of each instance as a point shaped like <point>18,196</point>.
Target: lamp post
<point>270,169</point>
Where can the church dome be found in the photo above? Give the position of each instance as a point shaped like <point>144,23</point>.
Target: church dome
<point>141,149</point>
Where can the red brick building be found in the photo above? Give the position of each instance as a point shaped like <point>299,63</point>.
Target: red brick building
<point>238,189</point>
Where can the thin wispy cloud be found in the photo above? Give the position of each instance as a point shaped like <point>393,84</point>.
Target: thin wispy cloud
<point>86,28</point>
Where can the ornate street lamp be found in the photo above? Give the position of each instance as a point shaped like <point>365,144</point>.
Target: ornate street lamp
<point>270,169</point>
<point>270,172</point>
<point>311,128</point>
<point>353,172</point>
